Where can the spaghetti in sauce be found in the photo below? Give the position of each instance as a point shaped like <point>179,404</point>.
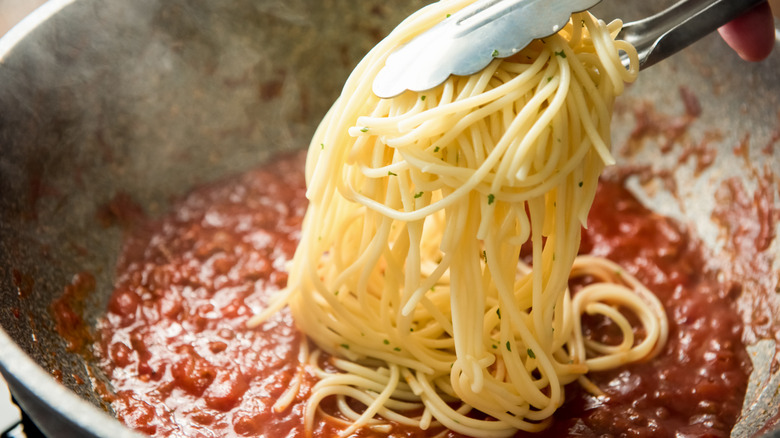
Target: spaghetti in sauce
<point>181,361</point>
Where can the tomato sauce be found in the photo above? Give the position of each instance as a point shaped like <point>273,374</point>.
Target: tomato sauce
<point>696,386</point>
<point>175,346</point>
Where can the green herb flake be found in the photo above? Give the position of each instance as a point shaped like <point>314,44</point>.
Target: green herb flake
<point>562,54</point>
<point>580,184</point>
<point>396,349</point>
<point>450,15</point>
<point>386,342</point>
<point>322,146</point>
<point>364,129</point>
<point>436,149</point>
<point>422,97</point>
<point>336,293</point>
<point>549,78</point>
<point>508,347</point>
<point>495,53</point>
<point>491,198</point>
<point>498,312</point>
<point>345,346</point>
<point>390,173</point>
<point>495,347</point>
<point>417,195</point>
<point>531,354</point>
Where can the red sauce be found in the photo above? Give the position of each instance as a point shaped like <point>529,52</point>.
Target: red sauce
<point>24,283</point>
<point>67,311</point>
<point>749,252</point>
<point>695,387</point>
<point>182,363</point>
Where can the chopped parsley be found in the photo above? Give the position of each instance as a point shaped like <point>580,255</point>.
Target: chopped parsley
<point>364,129</point>
<point>491,198</point>
<point>508,346</point>
<point>495,53</point>
<point>562,54</point>
<point>390,173</point>
<point>417,195</point>
<point>531,354</point>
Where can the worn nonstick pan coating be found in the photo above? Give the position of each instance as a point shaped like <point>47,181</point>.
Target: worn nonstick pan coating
<point>150,98</point>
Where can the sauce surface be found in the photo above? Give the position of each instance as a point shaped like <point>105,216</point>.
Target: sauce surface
<point>175,348</point>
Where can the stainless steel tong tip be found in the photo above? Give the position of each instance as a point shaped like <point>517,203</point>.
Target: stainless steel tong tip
<point>468,40</point>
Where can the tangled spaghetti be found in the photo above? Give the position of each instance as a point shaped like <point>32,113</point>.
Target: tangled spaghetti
<point>408,271</point>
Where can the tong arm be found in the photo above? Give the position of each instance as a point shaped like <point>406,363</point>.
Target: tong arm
<point>661,35</point>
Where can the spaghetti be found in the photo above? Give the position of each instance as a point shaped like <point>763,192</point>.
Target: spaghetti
<point>408,270</point>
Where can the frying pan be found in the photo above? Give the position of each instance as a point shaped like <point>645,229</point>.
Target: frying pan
<point>150,98</point>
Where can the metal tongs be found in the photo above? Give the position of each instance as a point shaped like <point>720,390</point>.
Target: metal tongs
<point>465,42</point>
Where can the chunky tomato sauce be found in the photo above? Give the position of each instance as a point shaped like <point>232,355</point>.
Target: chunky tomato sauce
<point>181,362</point>
<point>695,387</point>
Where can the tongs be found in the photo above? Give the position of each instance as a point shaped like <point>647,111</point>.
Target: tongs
<point>468,40</point>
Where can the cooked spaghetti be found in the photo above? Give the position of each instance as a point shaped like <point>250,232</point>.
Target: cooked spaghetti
<point>409,268</point>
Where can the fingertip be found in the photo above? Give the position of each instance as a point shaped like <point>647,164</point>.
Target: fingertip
<point>751,35</point>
